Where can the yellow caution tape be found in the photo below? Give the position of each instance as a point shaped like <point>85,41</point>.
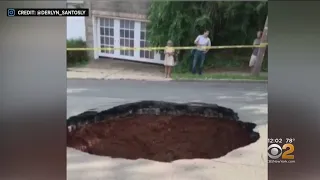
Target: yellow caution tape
<point>162,48</point>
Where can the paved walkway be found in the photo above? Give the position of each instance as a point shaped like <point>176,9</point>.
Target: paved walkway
<point>118,69</point>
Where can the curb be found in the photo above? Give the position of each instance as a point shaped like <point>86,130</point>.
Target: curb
<point>179,80</point>
<point>124,79</point>
<point>223,80</point>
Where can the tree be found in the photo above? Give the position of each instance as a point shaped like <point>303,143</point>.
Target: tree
<point>229,22</point>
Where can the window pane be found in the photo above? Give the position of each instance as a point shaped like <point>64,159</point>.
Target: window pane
<point>162,56</point>
<point>127,24</point>
<point>107,51</point>
<point>143,26</point>
<point>152,55</point>
<point>101,40</point>
<point>142,44</point>
<point>147,54</point>
<point>131,24</point>
<point>111,32</point>
<point>126,33</point>
<point>121,23</point>
<point>121,33</point>
<point>107,30</point>
<point>121,52</point>
<point>102,46</point>
<point>142,35</point>
<point>126,42</point>
<point>107,22</point>
<point>131,53</point>
<point>121,42</point>
<point>107,40</point>
<point>142,53</point>
<point>126,53</point>
<point>111,41</point>
<point>101,22</point>
<point>131,34</point>
<point>111,22</point>
<point>131,43</point>
<point>102,31</point>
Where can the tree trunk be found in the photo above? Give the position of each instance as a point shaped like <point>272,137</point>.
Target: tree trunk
<point>264,39</point>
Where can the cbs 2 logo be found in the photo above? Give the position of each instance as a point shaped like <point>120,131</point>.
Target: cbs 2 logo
<point>275,151</point>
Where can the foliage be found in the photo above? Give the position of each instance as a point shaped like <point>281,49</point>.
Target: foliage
<point>229,23</point>
<point>76,57</point>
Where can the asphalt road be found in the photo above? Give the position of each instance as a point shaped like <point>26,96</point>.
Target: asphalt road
<point>248,99</point>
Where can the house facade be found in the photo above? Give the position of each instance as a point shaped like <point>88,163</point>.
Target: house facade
<point>117,24</point>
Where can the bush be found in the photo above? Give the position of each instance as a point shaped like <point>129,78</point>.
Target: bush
<point>229,23</point>
<point>75,58</point>
<point>220,59</point>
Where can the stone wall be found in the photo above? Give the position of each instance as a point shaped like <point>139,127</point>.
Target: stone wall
<point>156,108</point>
<point>131,6</point>
<point>133,9</point>
<point>89,29</point>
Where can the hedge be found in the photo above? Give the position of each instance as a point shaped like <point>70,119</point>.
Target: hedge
<point>75,58</point>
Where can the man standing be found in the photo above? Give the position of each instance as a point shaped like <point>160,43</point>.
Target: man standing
<point>253,58</point>
<point>202,41</point>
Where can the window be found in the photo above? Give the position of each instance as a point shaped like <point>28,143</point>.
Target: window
<point>127,36</point>
<point>144,43</point>
<point>107,34</point>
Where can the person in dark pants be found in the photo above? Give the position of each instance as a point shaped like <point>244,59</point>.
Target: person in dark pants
<point>202,41</point>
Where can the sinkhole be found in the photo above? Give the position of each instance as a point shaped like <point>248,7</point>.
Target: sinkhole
<point>160,131</point>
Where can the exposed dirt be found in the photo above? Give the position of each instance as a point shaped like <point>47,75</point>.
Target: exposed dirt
<point>160,138</point>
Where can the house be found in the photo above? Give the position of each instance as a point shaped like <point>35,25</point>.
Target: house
<point>75,25</point>
<point>119,24</point>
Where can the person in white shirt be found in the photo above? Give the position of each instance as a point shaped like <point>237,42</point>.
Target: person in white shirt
<point>202,41</point>
<point>254,55</point>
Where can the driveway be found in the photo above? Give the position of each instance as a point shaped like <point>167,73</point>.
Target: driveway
<point>105,68</point>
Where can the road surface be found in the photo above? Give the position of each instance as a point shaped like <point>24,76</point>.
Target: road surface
<point>247,163</point>
<point>248,99</point>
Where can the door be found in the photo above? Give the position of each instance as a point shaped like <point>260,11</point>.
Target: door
<point>115,33</point>
<point>144,54</point>
<point>106,34</point>
<point>127,29</point>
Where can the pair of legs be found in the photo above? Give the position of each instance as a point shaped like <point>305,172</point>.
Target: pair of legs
<point>199,56</point>
<point>167,71</point>
<point>252,61</point>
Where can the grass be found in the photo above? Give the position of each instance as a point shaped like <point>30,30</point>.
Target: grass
<point>78,64</point>
<point>217,76</point>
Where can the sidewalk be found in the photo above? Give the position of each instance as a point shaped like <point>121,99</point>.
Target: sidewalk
<point>247,163</point>
<point>108,69</point>
<point>116,69</point>
<point>114,73</point>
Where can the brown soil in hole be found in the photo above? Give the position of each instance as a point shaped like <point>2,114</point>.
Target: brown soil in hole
<point>160,138</point>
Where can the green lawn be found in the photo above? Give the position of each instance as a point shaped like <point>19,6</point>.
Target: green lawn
<point>218,76</point>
